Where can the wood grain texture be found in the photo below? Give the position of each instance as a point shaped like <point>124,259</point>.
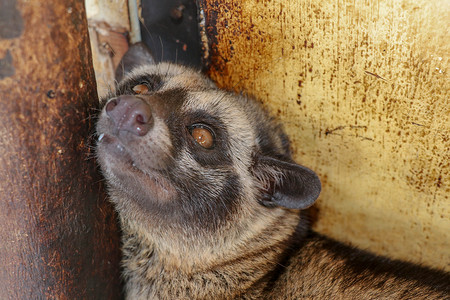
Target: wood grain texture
<point>108,24</point>
<point>362,88</point>
<point>58,235</point>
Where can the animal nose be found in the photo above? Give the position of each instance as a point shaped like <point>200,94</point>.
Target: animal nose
<point>130,114</point>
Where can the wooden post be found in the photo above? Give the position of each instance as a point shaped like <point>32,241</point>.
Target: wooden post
<point>58,234</point>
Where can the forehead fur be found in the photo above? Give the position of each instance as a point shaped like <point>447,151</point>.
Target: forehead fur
<point>174,76</point>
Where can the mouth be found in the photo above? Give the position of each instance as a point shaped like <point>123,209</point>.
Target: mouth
<point>117,157</point>
<point>114,147</point>
<point>121,156</point>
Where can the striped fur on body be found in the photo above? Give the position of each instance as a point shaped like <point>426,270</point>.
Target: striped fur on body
<point>227,222</point>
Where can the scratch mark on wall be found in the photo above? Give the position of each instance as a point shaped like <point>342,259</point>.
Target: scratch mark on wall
<point>376,75</point>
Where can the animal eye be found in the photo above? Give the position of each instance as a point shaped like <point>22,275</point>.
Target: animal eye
<point>203,135</point>
<point>140,88</point>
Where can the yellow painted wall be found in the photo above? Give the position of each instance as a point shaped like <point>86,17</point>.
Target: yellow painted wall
<point>363,90</point>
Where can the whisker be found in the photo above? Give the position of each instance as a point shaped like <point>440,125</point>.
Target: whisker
<point>162,48</point>
<point>102,180</point>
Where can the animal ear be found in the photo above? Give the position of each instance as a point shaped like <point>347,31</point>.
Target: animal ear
<point>137,55</point>
<point>286,184</point>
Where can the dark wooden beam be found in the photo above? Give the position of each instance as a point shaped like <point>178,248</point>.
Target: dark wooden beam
<point>58,234</point>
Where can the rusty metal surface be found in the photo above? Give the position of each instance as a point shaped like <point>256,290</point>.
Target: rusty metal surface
<point>363,91</point>
<point>58,235</point>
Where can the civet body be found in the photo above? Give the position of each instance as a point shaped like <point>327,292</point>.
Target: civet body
<point>210,202</point>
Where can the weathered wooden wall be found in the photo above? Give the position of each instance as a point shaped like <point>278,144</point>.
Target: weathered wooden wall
<point>363,90</point>
<point>58,235</point>
<point>109,25</point>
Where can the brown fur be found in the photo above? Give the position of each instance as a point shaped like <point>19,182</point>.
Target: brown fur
<point>226,223</point>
